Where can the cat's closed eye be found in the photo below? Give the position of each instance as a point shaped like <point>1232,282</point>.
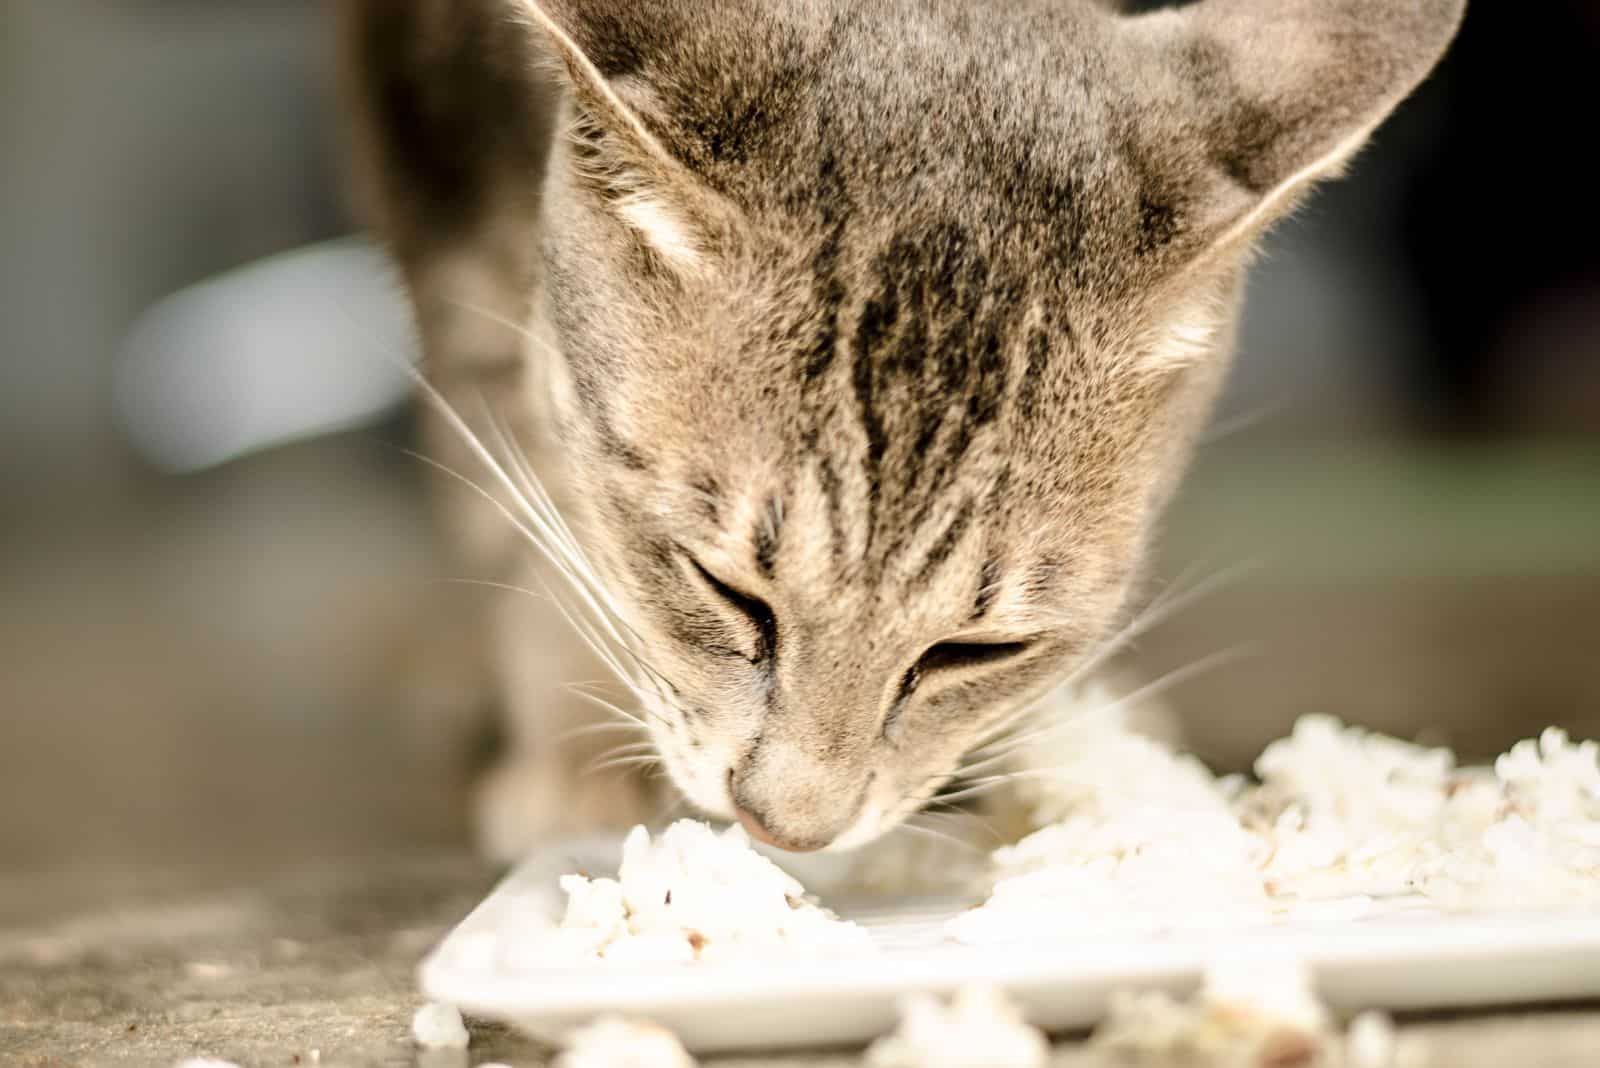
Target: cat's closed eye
<point>952,660</point>
<point>754,614</point>
<point>960,656</point>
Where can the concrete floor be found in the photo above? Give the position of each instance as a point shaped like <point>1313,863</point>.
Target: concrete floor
<point>231,773</point>
<point>279,969</point>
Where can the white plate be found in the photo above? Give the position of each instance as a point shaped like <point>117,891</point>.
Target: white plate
<point>1401,957</point>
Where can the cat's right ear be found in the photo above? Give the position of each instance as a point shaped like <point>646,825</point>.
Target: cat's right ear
<point>1246,103</point>
<point>613,149</point>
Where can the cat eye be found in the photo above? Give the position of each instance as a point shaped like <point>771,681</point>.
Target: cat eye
<point>951,656</point>
<point>756,611</point>
<point>946,658</point>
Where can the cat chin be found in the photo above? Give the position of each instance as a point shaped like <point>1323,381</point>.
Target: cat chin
<point>868,828</point>
<point>705,793</point>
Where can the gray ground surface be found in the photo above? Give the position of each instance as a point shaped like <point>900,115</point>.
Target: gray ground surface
<point>287,963</point>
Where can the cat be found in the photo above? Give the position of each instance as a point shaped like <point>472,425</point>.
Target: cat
<point>860,342</point>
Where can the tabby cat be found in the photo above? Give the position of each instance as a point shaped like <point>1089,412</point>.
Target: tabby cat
<point>858,341</point>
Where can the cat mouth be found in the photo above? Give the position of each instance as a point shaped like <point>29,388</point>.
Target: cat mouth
<point>868,827</point>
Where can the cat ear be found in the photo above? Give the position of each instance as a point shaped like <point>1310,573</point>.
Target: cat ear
<point>613,149</point>
<point>1257,99</point>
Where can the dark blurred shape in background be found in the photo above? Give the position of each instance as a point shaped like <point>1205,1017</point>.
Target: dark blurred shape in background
<point>241,661</point>
<point>1496,232</point>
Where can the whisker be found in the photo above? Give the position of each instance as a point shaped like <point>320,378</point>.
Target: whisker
<point>548,532</point>
<point>977,788</point>
<point>630,749</point>
<point>624,762</point>
<point>580,583</point>
<point>997,732</point>
<point>1245,420</point>
<point>573,580</point>
<point>1156,687</point>
<point>633,721</point>
<point>960,816</point>
<point>598,646</point>
<point>543,506</point>
<point>567,541</point>
<point>590,684</point>
<point>943,836</point>
<point>589,637</point>
<point>599,728</point>
<point>1170,602</point>
<point>1158,612</point>
<point>521,329</point>
<point>506,439</point>
<point>493,585</point>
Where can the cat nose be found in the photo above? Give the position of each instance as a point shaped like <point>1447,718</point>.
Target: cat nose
<point>757,827</point>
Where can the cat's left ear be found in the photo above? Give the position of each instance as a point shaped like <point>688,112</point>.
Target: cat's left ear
<point>614,152</point>
<point>1246,103</point>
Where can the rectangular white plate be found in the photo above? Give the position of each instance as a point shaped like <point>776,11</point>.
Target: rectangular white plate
<point>1396,958</point>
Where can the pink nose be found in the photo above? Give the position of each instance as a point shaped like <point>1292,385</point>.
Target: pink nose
<point>759,832</point>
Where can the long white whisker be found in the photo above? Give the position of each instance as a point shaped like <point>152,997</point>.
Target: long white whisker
<point>531,483</point>
<point>573,579</point>
<point>549,534</point>
<point>633,727</point>
<point>580,584</point>
<point>495,317</point>
<point>582,631</point>
<point>958,816</point>
<point>1161,610</point>
<point>1156,687</point>
<point>625,762</point>
<point>1245,420</point>
<point>535,488</point>
<point>568,543</point>
<point>943,836</point>
<point>598,646</point>
<point>548,514</point>
<point>1171,601</point>
<point>581,628</point>
<point>977,788</point>
<point>631,749</point>
<point>633,720</point>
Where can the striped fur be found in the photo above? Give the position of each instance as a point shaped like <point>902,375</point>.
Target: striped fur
<point>862,339</point>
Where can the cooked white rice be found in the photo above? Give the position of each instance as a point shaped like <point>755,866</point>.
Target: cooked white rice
<point>978,1028</point>
<point>1249,1012</point>
<point>1119,815</point>
<point>691,894</point>
<point>438,1026</point>
<point>1135,838</point>
<point>1131,837</point>
<point>612,1042</point>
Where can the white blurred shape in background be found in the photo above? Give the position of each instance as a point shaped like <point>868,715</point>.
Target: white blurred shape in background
<point>305,343</point>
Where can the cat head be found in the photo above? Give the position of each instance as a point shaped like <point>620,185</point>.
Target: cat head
<point>886,327</point>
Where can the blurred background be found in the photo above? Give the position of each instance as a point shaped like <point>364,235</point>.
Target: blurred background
<point>218,571</point>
